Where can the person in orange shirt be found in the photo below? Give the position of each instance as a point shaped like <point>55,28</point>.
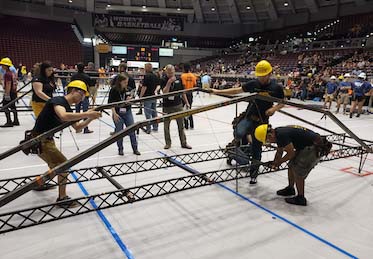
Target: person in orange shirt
<point>189,80</point>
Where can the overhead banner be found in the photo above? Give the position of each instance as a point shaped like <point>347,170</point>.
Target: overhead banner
<point>138,22</point>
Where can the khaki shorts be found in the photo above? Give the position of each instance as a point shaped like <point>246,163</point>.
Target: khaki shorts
<point>205,86</point>
<point>344,98</point>
<point>329,97</point>
<point>92,91</point>
<point>304,161</point>
<point>50,153</point>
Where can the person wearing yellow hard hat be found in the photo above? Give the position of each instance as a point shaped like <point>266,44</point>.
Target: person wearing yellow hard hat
<point>10,93</point>
<point>303,149</point>
<point>84,104</point>
<point>258,111</point>
<point>56,111</point>
<point>343,96</point>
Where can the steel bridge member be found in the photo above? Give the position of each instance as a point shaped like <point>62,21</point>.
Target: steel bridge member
<point>303,149</point>
<point>258,111</point>
<point>56,111</point>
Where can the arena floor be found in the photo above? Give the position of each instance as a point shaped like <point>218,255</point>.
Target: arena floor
<point>208,222</point>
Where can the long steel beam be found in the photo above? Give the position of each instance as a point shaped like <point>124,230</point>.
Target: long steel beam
<point>64,167</point>
<point>51,132</point>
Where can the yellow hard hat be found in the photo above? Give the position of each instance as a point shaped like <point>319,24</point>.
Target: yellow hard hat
<point>263,68</point>
<point>261,133</point>
<point>340,77</point>
<point>6,62</point>
<point>309,75</point>
<point>78,84</point>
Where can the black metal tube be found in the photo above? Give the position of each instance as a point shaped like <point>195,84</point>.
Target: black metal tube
<point>50,174</point>
<point>110,179</point>
<point>49,133</point>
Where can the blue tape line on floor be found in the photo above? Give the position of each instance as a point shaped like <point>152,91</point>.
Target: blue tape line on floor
<point>112,231</point>
<point>106,123</point>
<point>276,215</point>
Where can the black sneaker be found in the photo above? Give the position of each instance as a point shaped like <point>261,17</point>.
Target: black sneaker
<point>297,200</point>
<point>358,115</point>
<point>7,125</point>
<point>15,123</point>
<point>287,191</point>
<point>136,152</point>
<point>351,115</point>
<point>253,180</point>
<point>66,202</point>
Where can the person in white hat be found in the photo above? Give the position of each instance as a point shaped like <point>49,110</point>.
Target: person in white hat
<point>360,88</point>
<point>343,96</point>
<point>331,89</point>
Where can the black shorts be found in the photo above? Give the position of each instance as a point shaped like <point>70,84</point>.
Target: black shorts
<point>358,98</point>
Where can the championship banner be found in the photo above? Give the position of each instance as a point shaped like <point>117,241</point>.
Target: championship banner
<point>138,22</point>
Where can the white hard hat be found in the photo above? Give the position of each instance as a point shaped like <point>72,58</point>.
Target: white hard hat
<point>362,75</point>
<point>333,78</point>
<point>347,75</point>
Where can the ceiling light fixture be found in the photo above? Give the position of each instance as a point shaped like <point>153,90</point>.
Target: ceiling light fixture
<point>144,7</point>
<point>213,9</point>
<point>286,4</point>
<point>248,7</point>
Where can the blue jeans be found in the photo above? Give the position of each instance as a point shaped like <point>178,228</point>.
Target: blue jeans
<point>83,104</point>
<point>245,127</point>
<point>126,119</point>
<point>150,110</point>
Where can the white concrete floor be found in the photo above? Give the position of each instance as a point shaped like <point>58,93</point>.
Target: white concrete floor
<point>208,222</point>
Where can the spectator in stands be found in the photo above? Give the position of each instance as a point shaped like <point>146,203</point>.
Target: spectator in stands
<point>189,80</point>
<point>172,104</point>
<point>149,88</point>
<point>223,84</point>
<point>331,88</point>
<point>102,75</point>
<point>343,96</point>
<point>360,89</point>
<point>206,81</point>
<point>237,84</point>
<point>10,93</point>
<point>123,115</point>
<point>84,104</point>
<point>43,87</point>
<point>216,84</point>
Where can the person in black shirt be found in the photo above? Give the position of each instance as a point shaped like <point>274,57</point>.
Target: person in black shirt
<point>149,88</point>
<point>43,87</point>
<point>123,115</point>
<point>80,75</point>
<point>56,111</point>
<point>172,104</point>
<point>303,149</point>
<point>258,111</point>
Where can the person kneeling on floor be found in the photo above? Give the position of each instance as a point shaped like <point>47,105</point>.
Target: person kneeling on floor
<point>303,149</point>
<point>56,111</point>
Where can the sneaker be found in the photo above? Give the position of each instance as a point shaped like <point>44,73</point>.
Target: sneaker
<point>66,202</point>
<point>350,115</point>
<point>136,152</point>
<point>358,115</point>
<point>287,191</point>
<point>87,131</point>
<point>139,112</point>
<point>297,200</point>
<point>253,181</point>
<point>148,131</point>
<point>120,152</point>
<point>7,125</point>
<point>15,123</point>
<point>186,146</point>
<point>167,146</point>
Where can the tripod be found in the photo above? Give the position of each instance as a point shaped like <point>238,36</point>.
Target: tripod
<point>72,135</point>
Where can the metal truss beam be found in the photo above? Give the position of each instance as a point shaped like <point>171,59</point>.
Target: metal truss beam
<point>23,218</point>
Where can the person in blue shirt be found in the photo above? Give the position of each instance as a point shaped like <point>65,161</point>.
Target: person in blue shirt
<point>343,96</point>
<point>331,89</point>
<point>360,88</point>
